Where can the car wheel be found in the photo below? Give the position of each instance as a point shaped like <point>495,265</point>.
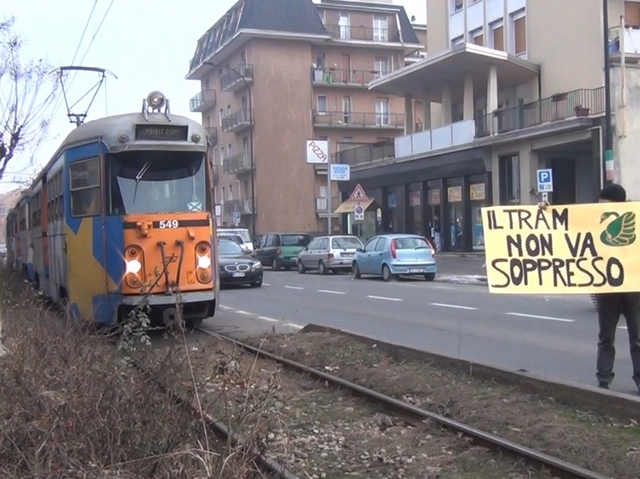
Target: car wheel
<point>356,271</point>
<point>301,268</point>
<point>386,273</point>
<point>430,276</point>
<point>321,268</point>
<point>275,265</point>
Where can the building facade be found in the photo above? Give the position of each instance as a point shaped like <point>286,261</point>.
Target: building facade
<point>508,87</point>
<point>275,73</point>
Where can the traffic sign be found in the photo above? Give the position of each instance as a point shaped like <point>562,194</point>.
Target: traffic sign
<point>340,172</point>
<point>236,218</point>
<point>545,181</point>
<point>358,212</point>
<point>359,195</point>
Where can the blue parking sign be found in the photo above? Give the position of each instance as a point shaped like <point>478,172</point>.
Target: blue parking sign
<point>545,181</point>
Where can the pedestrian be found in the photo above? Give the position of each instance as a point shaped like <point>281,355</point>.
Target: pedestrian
<point>610,306</point>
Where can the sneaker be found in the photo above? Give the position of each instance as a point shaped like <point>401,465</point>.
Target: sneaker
<point>603,385</point>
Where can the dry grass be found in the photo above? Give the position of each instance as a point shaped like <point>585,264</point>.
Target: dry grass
<point>71,406</point>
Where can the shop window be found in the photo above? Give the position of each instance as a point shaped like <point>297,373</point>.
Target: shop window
<point>509,172</point>
<point>85,188</point>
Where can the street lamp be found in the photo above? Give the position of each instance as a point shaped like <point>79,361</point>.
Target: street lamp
<point>607,155</point>
<point>253,187</point>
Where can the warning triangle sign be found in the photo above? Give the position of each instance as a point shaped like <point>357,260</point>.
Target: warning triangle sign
<point>359,194</point>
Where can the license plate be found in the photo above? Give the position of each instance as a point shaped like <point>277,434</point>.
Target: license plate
<point>416,270</point>
<point>238,275</point>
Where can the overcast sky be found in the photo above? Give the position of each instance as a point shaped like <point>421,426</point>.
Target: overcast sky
<point>147,44</point>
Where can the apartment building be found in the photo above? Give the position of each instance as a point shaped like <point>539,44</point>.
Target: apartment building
<point>508,87</point>
<point>275,73</point>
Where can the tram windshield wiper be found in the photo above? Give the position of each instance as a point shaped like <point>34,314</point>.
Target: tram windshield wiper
<point>139,176</point>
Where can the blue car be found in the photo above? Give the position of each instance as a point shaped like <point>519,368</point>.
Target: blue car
<point>393,255</point>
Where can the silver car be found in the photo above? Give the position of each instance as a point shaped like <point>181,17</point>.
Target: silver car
<point>329,253</point>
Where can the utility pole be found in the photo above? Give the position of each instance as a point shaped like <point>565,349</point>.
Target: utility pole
<point>608,157</point>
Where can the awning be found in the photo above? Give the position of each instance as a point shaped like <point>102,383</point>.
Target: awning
<point>349,206</point>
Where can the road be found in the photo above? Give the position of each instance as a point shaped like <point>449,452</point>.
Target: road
<point>547,335</point>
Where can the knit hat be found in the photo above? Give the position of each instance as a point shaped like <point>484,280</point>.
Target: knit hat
<point>614,193</point>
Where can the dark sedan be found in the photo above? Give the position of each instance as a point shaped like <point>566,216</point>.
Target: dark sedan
<point>237,267</point>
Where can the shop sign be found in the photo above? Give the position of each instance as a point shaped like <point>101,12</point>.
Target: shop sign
<point>392,200</point>
<point>454,194</point>
<point>477,192</point>
<point>433,196</point>
<point>414,198</point>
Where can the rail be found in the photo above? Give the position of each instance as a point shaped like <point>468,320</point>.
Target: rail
<point>537,458</point>
<point>341,77</point>
<point>337,119</point>
<point>366,153</point>
<point>360,33</point>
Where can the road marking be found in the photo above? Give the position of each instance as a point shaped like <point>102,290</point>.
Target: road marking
<point>548,318</point>
<point>222,306</point>
<point>383,298</point>
<point>454,306</point>
<point>246,313</point>
<point>271,320</point>
<point>622,327</point>
<point>266,284</point>
<point>328,291</point>
<point>435,286</point>
<point>294,325</point>
<point>293,287</point>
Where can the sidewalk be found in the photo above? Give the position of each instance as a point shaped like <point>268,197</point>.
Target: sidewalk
<point>461,268</point>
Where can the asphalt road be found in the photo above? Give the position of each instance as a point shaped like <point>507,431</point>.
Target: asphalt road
<point>547,335</point>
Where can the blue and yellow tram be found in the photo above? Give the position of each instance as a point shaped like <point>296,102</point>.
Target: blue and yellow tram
<point>122,215</point>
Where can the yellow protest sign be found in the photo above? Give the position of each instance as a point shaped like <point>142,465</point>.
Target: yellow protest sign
<point>576,249</point>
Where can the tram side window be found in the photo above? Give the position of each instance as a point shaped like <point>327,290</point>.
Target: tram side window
<point>85,188</point>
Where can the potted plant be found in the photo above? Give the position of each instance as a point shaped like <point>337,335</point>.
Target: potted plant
<point>581,110</point>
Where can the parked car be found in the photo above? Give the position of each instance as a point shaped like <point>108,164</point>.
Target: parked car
<point>280,250</point>
<point>395,255</point>
<point>329,253</point>
<point>237,267</point>
<point>242,232</point>
<point>239,240</point>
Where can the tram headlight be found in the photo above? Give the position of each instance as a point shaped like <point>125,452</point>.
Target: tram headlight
<point>204,262</point>
<point>156,100</point>
<point>133,266</point>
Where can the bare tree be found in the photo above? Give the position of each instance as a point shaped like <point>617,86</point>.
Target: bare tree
<point>27,94</point>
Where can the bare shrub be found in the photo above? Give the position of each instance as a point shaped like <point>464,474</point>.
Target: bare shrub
<point>71,406</point>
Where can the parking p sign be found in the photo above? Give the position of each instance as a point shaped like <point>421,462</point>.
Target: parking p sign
<point>545,181</point>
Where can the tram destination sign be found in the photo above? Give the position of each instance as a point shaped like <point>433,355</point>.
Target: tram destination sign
<point>162,132</point>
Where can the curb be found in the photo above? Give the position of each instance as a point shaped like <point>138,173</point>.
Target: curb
<point>619,406</point>
<point>477,280</point>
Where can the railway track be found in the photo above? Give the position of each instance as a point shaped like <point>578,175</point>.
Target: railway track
<point>414,414</point>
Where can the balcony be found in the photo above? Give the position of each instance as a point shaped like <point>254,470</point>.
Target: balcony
<point>237,121</point>
<point>212,135</point>
<point>361,34</point>
<point>322,204</point>
<point>457,134</point>
<point>237,164</point>
<point>624,41</point>
<point>203,101</point>
<point>235,80</point>
<point>242,206</point>
<point>341,78</point>
<point>384,121</point>
<point>366,153</point>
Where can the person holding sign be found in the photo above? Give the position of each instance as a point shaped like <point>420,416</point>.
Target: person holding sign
<point>610,306</point>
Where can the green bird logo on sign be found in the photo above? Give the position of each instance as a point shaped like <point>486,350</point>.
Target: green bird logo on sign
<point>619,232</point>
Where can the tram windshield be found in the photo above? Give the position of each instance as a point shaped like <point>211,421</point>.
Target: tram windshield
<point>143,182</point>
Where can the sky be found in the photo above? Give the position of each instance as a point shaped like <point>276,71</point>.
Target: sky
<point>147,44</point>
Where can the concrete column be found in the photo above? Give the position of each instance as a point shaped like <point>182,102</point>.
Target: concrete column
<point>468,103</point>
<point>408,115</point>
<point>446,105</point>
<point>426,112</point>
<point>492,89</point>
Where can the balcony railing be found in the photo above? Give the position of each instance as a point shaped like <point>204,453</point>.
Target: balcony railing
<point>366,153</point>
<point>339,77</point>
<point>203,101</point>
<point>237,164</point>
<point>212,135</point>
<point>358,120</point>
<point>322,204</point>
<point>242,206</point>
<point>234,80</point>
<point>576,103</point>
<point>237,121</point>
<point>366,34</point>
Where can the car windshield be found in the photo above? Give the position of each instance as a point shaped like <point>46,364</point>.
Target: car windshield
<point>295,240</point>
<point>228,248</point>
<point>157,182</point>
<point>346,242</point>
<point>411,243</point>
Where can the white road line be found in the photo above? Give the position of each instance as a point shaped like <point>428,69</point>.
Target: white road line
<point>293,287</point>
<point>548,318</point>
<point>435,286</point>
<point>266,284</point>
<point>383,298</point>
<point>246,313</point>
<point>294,325</point>
<point>271,320</point>
<point>222,306</point>
<point>328,291</point>
<point>622,327</point>
<point>454,306</point>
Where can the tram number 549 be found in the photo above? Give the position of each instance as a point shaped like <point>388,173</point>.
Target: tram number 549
<point>168,224</point>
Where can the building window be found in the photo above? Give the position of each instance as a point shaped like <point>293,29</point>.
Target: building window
<point>456,5</point>
<point>322,104</point>
<point>509,171</point>
<point>519,29</point>
<point>323,16</point>
<point>632,14</point>
<point>476,37</point>
<point>223,153</point>
<point>321,60</point>
<point>230,150</point>
<point>497,36</point>
<point>346,109</point>
<point>223,197</point>
<point>382,112</point>
<point>457,41</point>
<point>345,26</point>
<point>380,28</point>
<point>381,66</point>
